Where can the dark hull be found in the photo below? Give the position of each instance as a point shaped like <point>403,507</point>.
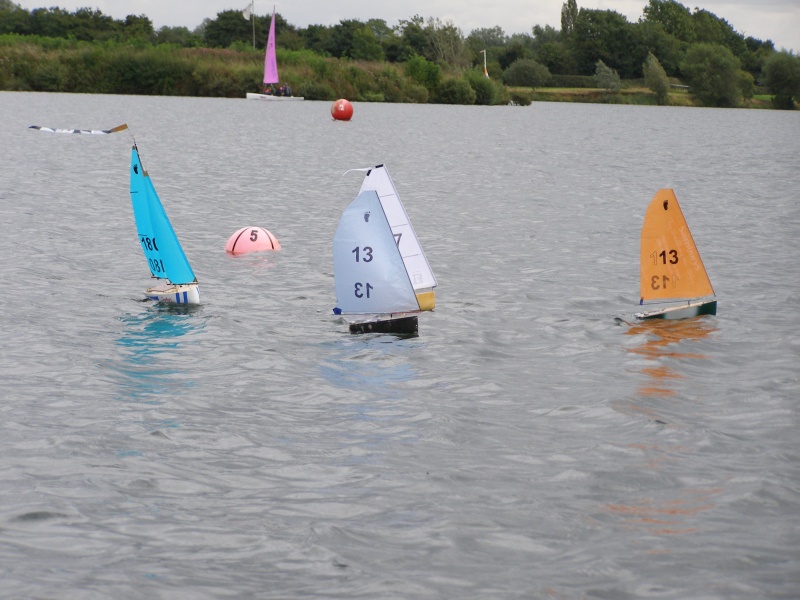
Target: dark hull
<point>404,325</point>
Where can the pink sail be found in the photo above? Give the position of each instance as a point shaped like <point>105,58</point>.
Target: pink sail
<point>270,63</point>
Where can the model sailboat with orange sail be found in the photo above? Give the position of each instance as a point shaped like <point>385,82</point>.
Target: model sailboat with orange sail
<point>672,274</point>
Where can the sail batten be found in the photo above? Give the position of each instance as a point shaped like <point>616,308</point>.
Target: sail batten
<point>419,271</point>
<point>670,264</point>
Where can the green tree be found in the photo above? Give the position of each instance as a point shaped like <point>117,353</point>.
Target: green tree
<point>782,78</point>
<point>365,45</point>
<point>673,16</point>
<point>512,53</point>
<point>668,48</point>
<point>758,52</point>
<point>381,30</point>
<point>229,27</point>
<point>14,19</point>
<point>569,14</point>
<point>526,72</point>
<point>423,71</point>
<point>487,91</point>
<point>412,32</point>
<point>656,79</point>
<point>318,38</point>
<point>455,91</point>
<point>387,38</point>
<point>545,35</point>
<point>481,39</point>
<point>713,75</point>
<point>289,40</point>
<point>139,27</point>
<point>447,43</point>
<point>180,36</point>
<point>608,36</point>
<point>606,78</point>
<point>747,84</point>
<point>710,29</point>
<point>344,34</point>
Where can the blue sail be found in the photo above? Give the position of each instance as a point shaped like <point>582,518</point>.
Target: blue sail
<point>161,247</point>
<point>368,269</point>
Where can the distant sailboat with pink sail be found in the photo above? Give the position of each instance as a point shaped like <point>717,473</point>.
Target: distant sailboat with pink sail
<point>272,89</point>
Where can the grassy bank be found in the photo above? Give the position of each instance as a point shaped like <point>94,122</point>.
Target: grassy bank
<point>58,65</point>
<point>165,70</point>
<point>632,92</point>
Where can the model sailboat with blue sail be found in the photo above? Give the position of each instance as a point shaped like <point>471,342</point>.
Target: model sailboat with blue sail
<point>162,250</point>
<point>672,275</point>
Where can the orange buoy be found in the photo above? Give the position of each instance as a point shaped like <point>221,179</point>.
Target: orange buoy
<point>251,239</point>
<point>342,110</point>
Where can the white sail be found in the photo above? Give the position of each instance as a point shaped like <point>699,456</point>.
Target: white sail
<point>417,266</point>
<point>369,273</point>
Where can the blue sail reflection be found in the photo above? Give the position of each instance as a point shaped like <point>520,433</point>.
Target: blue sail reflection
<point>148,374</point>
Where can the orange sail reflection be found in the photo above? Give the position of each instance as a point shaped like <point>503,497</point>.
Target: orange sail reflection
<point>670,516</point>
<point>661,336</point>
<point>663,510</point>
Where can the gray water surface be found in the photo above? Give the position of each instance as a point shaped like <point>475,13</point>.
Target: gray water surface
<point>525,445</point>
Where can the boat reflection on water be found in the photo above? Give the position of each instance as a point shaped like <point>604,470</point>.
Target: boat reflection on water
<point>665,340</point>
<point>669,515</point>
<point>662,506</point>
<point>373,373</point>
<point>371,365</point>
<point>147,373</point>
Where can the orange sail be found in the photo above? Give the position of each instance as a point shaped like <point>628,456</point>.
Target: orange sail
<point>671,267</point>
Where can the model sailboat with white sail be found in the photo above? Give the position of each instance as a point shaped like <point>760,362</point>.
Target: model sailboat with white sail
<point>162,250</point>
<point>672,272</point>
<point>382,277</point>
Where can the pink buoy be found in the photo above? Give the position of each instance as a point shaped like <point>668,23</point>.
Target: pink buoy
<point>251,239</point>
<point>342,110</point>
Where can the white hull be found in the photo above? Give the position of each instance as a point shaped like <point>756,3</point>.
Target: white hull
<point>684,311</point>
<point>252,96</point>
<point>186,294</point>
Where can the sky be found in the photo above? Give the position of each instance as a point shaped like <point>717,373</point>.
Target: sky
<point>776,20</point>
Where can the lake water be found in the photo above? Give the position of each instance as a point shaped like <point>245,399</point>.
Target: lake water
<point>525,445</point>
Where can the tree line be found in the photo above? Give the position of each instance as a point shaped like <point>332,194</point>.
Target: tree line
<point>720,65</point>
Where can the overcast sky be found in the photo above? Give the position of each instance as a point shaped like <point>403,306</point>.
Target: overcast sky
<point>776,20</point>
